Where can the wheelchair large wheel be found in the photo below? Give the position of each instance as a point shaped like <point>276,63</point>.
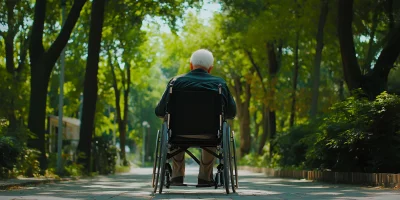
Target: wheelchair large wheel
<point>232,161</point>
<point>156,161</point>
<point>226,156</point>
<point>163,159</point>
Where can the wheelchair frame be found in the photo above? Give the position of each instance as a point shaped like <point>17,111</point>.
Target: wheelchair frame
<point>226,153</point>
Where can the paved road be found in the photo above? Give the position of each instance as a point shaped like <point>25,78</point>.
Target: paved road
<point>136,185</point>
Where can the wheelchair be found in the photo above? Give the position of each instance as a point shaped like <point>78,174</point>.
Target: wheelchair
<point>191,113</point>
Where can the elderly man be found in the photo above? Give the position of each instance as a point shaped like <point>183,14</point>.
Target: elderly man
<point>199,78</point>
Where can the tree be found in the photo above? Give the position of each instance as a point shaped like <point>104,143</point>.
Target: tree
<point>318,57</point>
<point>375,80</point>
<point>90,84</point>
<point>17,13</point>
<point>42,63</point>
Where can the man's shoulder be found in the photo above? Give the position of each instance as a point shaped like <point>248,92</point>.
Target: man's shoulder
<point>219,79</point>
<point>177,77</point>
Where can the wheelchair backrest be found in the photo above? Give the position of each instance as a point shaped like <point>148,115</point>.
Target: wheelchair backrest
<point>194,112</point>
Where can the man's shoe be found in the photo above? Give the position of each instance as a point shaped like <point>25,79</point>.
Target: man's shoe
<point>177,180</point>
<point>205,182</point>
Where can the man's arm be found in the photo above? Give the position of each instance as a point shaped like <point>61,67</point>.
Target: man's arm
<point>230,112</point>
<point>161,106</point>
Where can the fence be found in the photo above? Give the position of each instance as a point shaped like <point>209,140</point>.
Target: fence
<point>370,179</point>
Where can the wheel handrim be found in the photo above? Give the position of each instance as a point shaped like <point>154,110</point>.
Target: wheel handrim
<point>231,161</point>
<point>235,161</point>
<point>164,141</point>
<point>156,156</point>
<point>226,170</point>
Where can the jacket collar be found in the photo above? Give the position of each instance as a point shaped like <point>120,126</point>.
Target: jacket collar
<point>198,71</point>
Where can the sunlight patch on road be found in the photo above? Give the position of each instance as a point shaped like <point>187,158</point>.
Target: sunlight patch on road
<point>325,193</point>
<point>257,192</point>
<point>125,186</point>
<point>314,187</point>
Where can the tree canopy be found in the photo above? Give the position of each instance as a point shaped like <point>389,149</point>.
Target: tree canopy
<point>292,66</point>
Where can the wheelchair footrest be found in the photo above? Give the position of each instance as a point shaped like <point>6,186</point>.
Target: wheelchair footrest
<point>205,185</point>
<point>178,184</point>
<point>191,185</point>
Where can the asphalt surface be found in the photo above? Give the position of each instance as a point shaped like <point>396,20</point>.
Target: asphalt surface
<point>137,185</point>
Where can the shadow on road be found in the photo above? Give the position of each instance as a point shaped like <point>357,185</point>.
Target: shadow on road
<point>136,185</point>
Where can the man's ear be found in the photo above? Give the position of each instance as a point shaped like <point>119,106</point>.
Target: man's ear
<point>209,69</point>
<point>191,66</point>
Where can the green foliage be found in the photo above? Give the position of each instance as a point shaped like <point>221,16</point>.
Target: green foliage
<point>255,160</point>
<point>10,151</point>
<point>15,158</point>
<point>356,135</point>
<point>73,169</point>
<point>104,156</point>
<point>27,163</point>
<point>70,167</point>
<point>293,145</point>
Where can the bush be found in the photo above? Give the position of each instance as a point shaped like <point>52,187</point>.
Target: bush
<point>293,145</point>
<point>15,158</point>
<point>104,156</point>
<point>70,167</point>
<point>10,151</point>
<point>357,135</point>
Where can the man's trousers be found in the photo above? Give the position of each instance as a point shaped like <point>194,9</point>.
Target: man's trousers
<point>206,165</point>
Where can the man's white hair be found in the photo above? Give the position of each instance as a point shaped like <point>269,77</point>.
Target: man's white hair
<point>202,57</point>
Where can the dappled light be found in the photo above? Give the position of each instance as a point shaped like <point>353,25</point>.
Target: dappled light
<point>307,90</point>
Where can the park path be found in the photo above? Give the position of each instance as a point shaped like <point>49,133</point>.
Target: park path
<point>136,185</point>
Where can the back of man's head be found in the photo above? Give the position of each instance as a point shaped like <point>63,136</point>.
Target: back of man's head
<point>202,58</point>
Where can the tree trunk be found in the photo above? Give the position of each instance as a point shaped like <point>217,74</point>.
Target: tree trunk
<point>42,63</point>
<point>341,90</point>
<point>39,84</point>
<point>264,136</point>
<point>318,57</point>
<point>122,116</point>
<point>90,83</point>
<point>120,121</point>
<point>10,66</point>
<point>294,85</point>
<point>273,70</point>
<point>351,69</point>
<point>245,144</point>
<point>243,114</point>
<point>272,125</point>
<point>126,97</point>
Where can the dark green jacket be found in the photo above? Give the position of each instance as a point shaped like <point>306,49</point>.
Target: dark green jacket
<point>199,79</point>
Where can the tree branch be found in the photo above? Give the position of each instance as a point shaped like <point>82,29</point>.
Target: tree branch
<point>115,85</point>
<point>370,54</point>
<point>36,48</point>
<point>389,11</point>
<point>273,63</point>
<point>23,53</point>
<point>126,92</point>
<point>9,38</point>
<point>389,54</point>
<point>351,69</point>
<point>62,39</point>
<point>256,68</point>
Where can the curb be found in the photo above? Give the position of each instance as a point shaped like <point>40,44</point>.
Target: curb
<point>369,179</point>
